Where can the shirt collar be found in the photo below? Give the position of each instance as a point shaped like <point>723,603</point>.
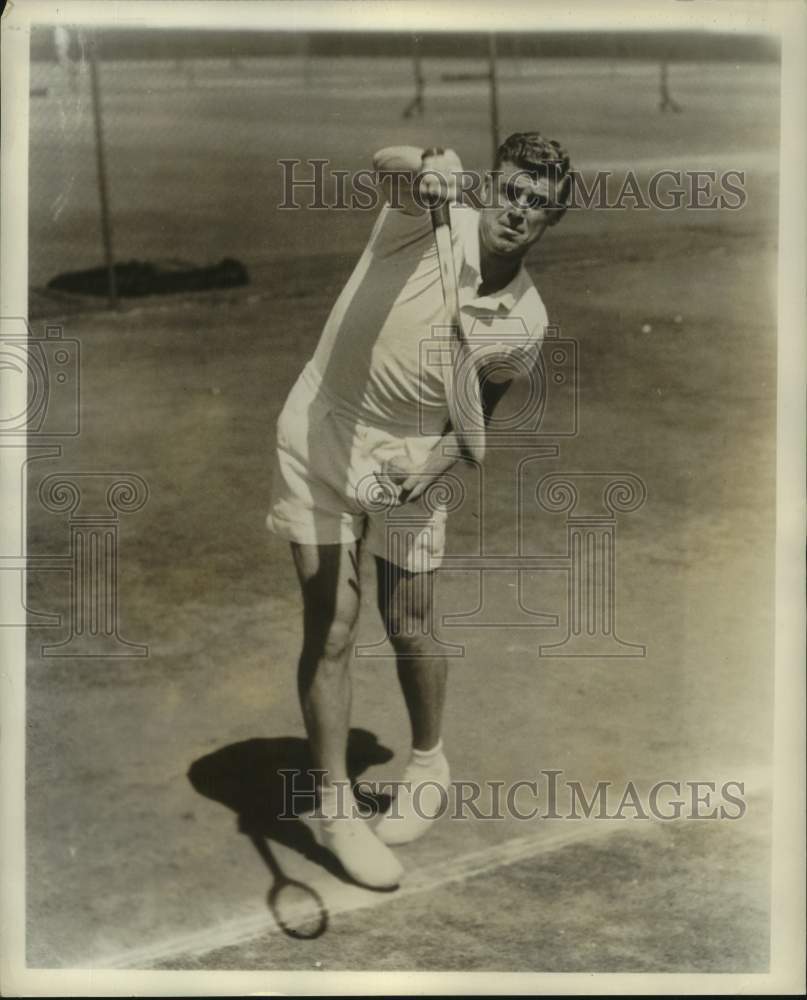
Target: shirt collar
<point>504,300</point>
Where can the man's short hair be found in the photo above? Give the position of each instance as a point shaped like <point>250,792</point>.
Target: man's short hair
<point>543,157</point>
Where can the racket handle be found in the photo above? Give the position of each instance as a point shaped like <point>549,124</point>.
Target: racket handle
<point>441,215</point>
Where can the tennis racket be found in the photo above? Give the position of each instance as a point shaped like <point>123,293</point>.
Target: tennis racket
<point>463,392</point>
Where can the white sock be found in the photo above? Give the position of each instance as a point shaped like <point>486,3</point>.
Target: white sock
<point>335,800</point>
<point>428,760</point>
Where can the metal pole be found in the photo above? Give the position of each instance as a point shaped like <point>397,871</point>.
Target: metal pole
<point>494,96</point>
<point>306,53</point>
<point>106,221</point>
<point>418,71</point>
<point>416,105</point>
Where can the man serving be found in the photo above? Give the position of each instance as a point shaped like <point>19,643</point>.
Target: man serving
<point>370,410</point>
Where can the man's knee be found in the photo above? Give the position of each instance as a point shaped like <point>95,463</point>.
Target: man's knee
<point>332,642</point>
<point>339,640</point>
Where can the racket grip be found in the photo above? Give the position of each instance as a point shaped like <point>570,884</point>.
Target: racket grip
<point>441,215</point>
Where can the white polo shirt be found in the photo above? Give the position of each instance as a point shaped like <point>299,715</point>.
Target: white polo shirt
<point>376,358</point>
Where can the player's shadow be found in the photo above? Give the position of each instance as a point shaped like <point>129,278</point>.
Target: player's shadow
<point>261,780</point>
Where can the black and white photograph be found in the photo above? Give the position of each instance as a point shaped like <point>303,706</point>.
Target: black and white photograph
<point>402,446</point>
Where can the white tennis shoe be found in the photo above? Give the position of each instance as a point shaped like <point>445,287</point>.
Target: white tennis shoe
<point>365,859</point>
<point>422,798</point>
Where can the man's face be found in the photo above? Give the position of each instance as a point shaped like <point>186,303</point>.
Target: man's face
<point>521,210</point>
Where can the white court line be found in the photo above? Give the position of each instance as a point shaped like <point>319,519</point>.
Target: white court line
<point>339,898</point>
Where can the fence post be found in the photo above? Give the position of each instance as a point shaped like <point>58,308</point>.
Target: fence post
<point>494,97</point>
<point>100,159</point>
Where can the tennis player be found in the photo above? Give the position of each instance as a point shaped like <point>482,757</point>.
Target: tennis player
<point>369,411</point>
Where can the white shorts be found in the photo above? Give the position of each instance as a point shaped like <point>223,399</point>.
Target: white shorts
<point>325,491</point>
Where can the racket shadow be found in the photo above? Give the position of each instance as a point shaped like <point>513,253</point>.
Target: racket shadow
<point>304,916</point>
<point>253,778</point>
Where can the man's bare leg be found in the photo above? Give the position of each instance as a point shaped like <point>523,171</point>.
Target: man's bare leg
<point>405,603</point>
<point>329,579</point>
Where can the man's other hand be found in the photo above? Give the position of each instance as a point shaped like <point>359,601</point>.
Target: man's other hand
<point>404,484</point>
